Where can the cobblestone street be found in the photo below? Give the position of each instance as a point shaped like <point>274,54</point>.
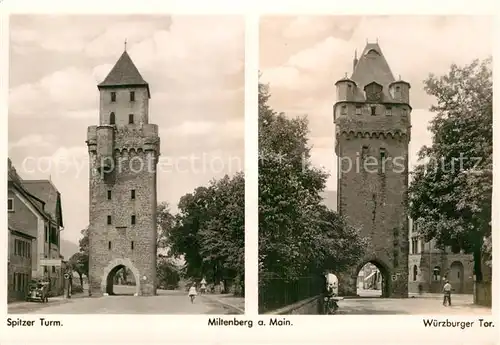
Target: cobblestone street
<point>166,302</point>
<point>428,304</point>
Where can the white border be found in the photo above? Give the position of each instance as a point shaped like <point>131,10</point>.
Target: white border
<point>182,329</point>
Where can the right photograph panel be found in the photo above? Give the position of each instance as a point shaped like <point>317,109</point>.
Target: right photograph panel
<point>375,165</point>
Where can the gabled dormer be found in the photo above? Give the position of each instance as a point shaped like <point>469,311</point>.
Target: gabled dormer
<point>373,92</point>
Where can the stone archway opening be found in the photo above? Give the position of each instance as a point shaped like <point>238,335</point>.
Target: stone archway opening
<point>121,277</point>
<point>121,282</point>
<point>372,280</point>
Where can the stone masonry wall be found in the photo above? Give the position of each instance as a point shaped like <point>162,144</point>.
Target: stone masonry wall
<point>136,242</point>
<point>122,107</point>
<point>375,202</point>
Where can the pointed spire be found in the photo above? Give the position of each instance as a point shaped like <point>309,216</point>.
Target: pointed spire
<point>125,48</point>
<point>355,60</point>
<point>372,67</point>
<point>124,73</point>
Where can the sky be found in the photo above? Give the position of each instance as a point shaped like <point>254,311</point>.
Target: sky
<point>195,69</point>
<point>302,57</point>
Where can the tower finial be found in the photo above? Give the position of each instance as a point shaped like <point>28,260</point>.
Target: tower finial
<point>125,44</point>
<point>346,74</point>
<point>377,40</point>
<point>400,77</point>
<point>355,53</point>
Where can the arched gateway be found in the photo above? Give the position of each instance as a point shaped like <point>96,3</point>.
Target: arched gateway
<point>372,128</point>
<point>123,154</point>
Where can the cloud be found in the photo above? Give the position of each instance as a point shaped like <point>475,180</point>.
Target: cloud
<point>173,61</point>
<point>306,26</point>
<point>286,77</point>
<point>34,140</point>
<point>423,44</point>
<point>63,91</point>
<point>189,130</point>
<point>113,39</point>
<point>302,79</point>
<point>193,64</point>
<point>320,56</point>
<point>179,47</point>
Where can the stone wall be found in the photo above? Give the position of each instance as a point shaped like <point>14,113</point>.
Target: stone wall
<point>372,198</point>
<point>309,306</point>
<point>462,282</point>
<point>135,243</point>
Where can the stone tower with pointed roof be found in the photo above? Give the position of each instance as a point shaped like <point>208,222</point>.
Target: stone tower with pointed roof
<point>123,151</point>
<point>372,129</point>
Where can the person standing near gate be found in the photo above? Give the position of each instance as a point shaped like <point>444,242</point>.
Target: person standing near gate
<point>447,293</point>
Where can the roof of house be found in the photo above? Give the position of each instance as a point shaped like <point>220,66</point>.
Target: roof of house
<point>20,233</point>
<point>46,191</point>
<point>124,73</point>
<point>15,181</point>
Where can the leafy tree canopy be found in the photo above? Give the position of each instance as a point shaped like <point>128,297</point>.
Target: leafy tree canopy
<point>167,272</point>
<point>297,234</point>
<point>209,230</point>
<point>450,194</point>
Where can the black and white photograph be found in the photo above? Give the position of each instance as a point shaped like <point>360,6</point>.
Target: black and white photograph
<point>375,165</point>
<point>125,164</point>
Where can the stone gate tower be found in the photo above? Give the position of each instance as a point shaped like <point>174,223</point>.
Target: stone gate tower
<point>123,154</point>
<point>372,118</point>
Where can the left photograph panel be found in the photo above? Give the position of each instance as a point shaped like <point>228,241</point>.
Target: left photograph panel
<point>125,167</point>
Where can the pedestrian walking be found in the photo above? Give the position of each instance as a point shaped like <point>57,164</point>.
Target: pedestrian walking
<point>192,293</point>
<point>203,287</point>
<point>447,293</point>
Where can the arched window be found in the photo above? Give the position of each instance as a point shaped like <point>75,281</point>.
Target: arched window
<point>415,272</point>
<point>131,118</point>
<point>112,118</point>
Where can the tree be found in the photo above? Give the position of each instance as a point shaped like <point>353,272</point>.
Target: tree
<point>222,240</point>
<point>167,272</point>
<point>165,223</point>
<point>209,231</point>
<point>450,194</point>
<point>83,243</point>
<point>298,236</point>
<point>79,264</point>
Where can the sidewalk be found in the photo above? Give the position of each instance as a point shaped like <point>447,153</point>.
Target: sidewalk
<point>18,307</point>
<point>236,304</point>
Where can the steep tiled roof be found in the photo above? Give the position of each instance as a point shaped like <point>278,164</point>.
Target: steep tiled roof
<point>16,182</point>
<point>372,66</point>
<point>124,73</point>
<point>46,191</point>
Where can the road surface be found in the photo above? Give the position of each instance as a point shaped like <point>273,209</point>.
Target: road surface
<point>166,302</point>
<point>430,304</point>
